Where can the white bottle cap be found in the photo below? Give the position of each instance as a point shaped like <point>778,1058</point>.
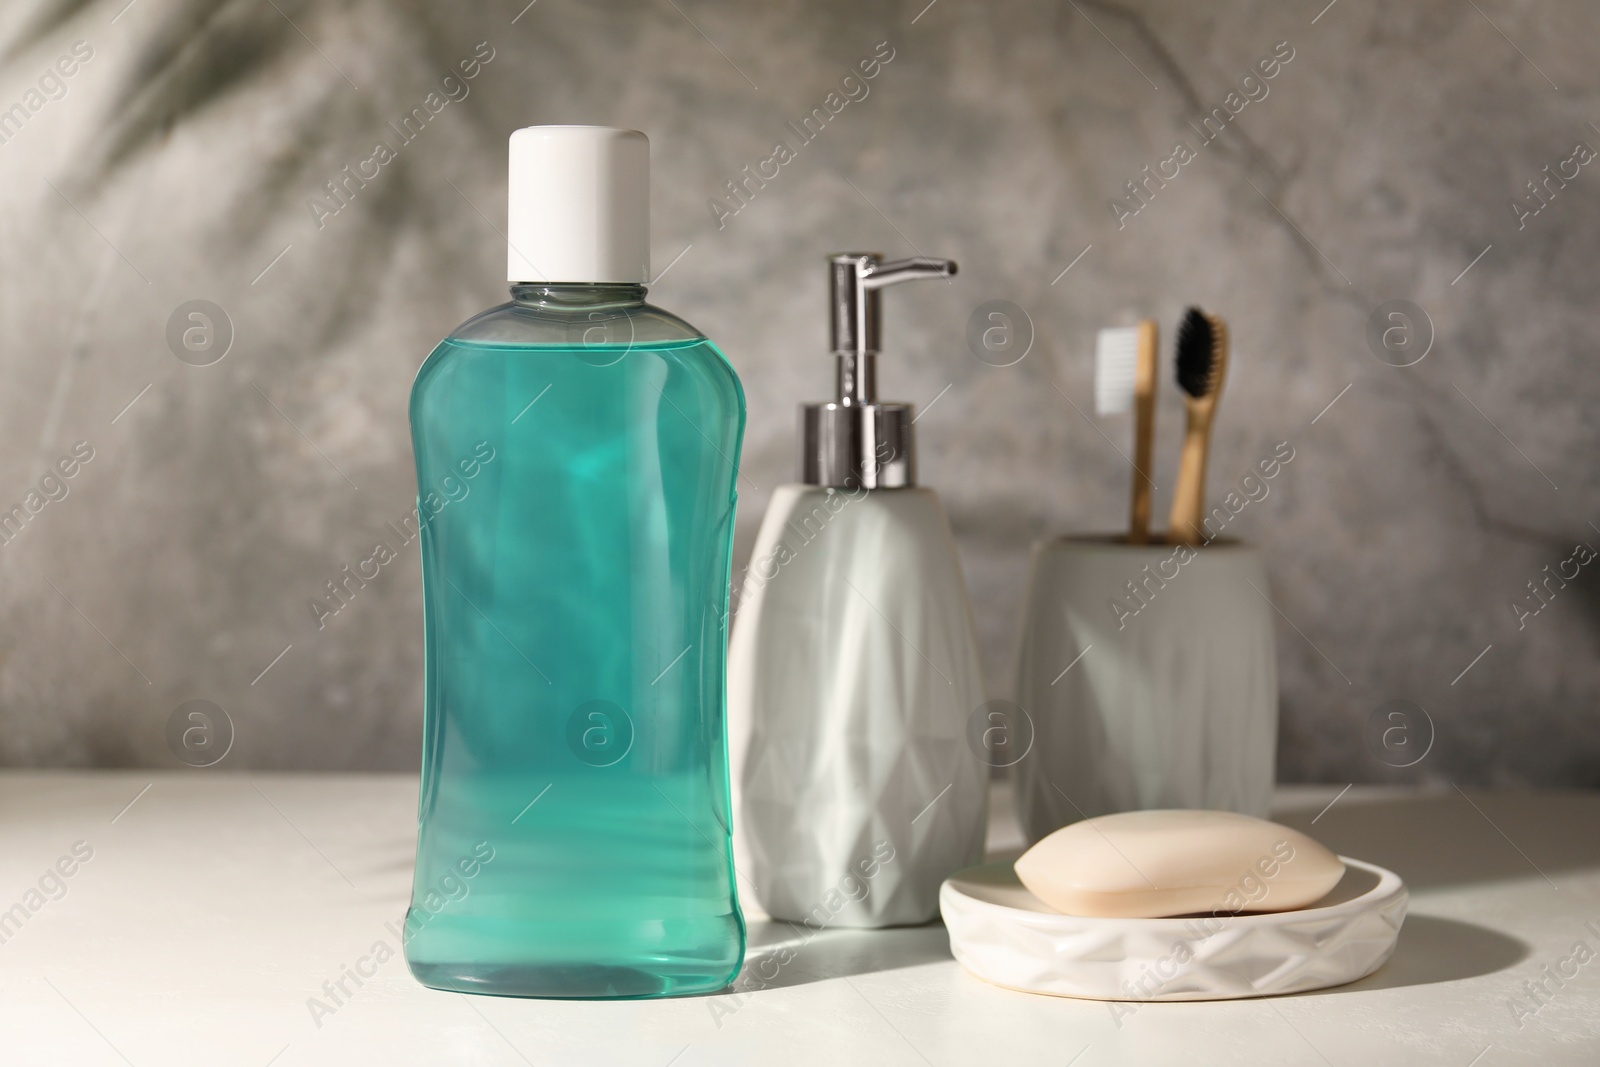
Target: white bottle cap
<point>578,206</point>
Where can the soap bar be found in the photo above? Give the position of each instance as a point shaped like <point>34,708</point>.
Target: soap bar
<point>1150,864</point>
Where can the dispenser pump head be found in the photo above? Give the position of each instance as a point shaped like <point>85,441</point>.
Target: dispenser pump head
<point>857,441</point>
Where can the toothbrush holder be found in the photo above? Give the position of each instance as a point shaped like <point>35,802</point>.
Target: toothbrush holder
<point>1150,678</point>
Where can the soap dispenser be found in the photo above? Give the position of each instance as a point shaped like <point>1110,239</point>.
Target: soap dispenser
<point>853,668</point>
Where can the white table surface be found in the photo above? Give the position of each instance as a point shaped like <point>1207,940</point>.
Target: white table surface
<point>215,905</point>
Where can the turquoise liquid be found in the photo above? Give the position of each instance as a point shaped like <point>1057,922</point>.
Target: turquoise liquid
<point>574,821</point>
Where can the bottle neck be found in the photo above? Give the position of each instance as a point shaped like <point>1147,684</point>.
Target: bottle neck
<point>574,296</point>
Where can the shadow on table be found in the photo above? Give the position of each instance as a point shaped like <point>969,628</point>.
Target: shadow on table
<point>1451,840</point>
<point>780,955</point>
<point>1433,950</point>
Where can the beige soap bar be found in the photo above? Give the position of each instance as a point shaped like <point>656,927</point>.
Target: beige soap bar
<point>1149,864</point>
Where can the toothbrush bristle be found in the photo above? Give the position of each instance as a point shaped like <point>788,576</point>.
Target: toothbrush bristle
<point>1196,353</point>
<point>1116,357</point>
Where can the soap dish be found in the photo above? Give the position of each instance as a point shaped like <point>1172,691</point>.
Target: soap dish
<point>1004,934</point>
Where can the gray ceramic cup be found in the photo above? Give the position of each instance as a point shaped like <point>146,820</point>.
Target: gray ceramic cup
<point>1150,678</point>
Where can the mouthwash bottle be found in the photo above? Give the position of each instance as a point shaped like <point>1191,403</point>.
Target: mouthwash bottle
<point>576,454</point>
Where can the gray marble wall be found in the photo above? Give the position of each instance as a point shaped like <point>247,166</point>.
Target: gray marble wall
<point>207,505</point>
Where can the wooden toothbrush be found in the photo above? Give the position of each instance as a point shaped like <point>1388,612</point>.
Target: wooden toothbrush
<point>1125,376</point>
<point>1202,361</point>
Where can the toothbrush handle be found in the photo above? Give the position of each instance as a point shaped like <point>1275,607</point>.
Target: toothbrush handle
<point>1144,427</point>
<point>1183,527</point>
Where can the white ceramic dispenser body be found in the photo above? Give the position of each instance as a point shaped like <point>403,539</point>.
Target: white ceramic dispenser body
<point>853,667</point>
<point>852,673</point>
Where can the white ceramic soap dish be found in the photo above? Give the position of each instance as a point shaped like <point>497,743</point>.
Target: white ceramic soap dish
<point>1003,934</point>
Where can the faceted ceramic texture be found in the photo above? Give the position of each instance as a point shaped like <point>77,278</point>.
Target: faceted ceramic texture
<point>852,674</point>
<point>1005,935</point>
<point>1173,707</point>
